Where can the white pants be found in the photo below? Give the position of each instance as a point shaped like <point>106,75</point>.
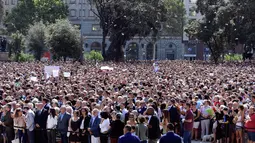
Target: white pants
<point>95,139</point>
<point>205,124</point>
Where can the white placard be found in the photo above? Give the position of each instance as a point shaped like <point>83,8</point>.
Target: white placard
<point>67,74</point>
<point>48,71</point>
<point>55,73</point>
<point>33,78</point>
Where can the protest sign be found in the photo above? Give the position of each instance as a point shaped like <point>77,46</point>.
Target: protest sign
<point>51,71</point>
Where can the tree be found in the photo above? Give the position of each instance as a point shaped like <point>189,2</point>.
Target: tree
<point>134,18</point>
<point>94,55</point>
<point>175,17</point>
<point>124,19</point>
<point>35,40</point>
<point>209,30</point>
<point>1,11</point>
<point>21,17</point>
<point>64,40</point>
<point>28,12</point>
<point>16,45</point>
<point>49,11</point>
<point>104,11</point>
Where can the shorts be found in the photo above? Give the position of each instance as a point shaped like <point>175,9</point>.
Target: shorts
<point>251,136</point>
<point>238,128</point>
<point>196,125</point>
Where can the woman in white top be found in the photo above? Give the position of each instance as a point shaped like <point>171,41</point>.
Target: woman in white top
<point>19,125</point>
<point>104,127</point>
<point>239,120</point>
<point>51,125</point>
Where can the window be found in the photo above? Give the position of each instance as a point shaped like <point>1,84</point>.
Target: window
<point>192,11</point>
<point>82,13</point>
<point>72,1</point>
<point>72,12</point>
<point>91,13</point>
<point>6,2</point>
<point>193,1</point>
<point>95,27</point>
<point>82,1</point>
<point>13,2</point>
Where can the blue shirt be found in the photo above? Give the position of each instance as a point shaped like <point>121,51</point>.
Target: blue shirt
<point>170,137</point>
<point>128,138</point>
<point>61,116</point>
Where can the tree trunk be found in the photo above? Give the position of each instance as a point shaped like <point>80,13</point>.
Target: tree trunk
<point>104,45</point>
<point>154,51</point>
<point>116,52</point>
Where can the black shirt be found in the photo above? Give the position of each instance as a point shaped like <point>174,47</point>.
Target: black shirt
<point>117,127</point>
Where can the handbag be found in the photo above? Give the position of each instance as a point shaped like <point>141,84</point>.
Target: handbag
<point>15,141</point>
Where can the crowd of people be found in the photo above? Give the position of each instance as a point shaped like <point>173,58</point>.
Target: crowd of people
<point>179,102</point>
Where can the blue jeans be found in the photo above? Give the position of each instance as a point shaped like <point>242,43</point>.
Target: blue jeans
<point>31,136</point>
<point>187,137</point>
<point>22,136</point>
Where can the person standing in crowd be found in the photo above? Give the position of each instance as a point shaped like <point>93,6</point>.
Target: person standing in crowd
<point>250,125</point>
<point>19,125</point>
<point>7,122</point>
<point>225,125</point>
<point>94,126</point>
<point>124,111</point>
<point>128,137</point>
<point>142,129</point>
<point>30,124</point>
<point>170,136</point>
<point>153,126</point>
<point>239,120</point>
<point>74,125</point>
<point>205,119</point>
<point>85,119</point>
<point>196,114</point>
<point>38,123</point>
<point>188,124</point>
<point>104,127</point>
<point>174,115</point>
<point>44,117</point>
<point>63,122</point>
<point>52,122</point>
<point>116,127</point>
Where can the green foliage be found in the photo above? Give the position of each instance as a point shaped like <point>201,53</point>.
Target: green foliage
<point>35,40</point>
<point>64,41</point>
<point>49,11</point>
<point>94,55</point>
<point>17,45</point>
<point>233,57</point>
<point>28,12</point>
<point>23,57</point>
<point>1,10</point>
<point>209,29</point>
<point>21,17</point>
<point>175,17</point>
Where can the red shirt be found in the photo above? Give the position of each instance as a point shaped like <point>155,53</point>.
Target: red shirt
<point>188,126</point>
<point>250,125</point>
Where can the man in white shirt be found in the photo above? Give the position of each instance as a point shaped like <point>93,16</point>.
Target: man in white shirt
<point>30,124</point>
<point>124,111</point>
